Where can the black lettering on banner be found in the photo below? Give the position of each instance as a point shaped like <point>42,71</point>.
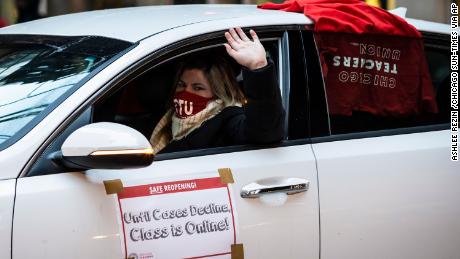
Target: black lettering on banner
<point>176,230</point>
<point>169,214</point>
<point>208,209</point>
<point>143,216</point>
<point>142,234</point>
<point>200,225</point>
<point>134,234</point>
<point>206,226</point>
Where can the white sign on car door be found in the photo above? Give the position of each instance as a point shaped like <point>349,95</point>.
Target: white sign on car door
<point>196,215</point>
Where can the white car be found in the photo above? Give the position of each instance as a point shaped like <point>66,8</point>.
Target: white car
<point>70,85</point>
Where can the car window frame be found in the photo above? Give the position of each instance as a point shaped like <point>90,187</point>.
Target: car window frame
<point>212,40</point>
<point>156,57</point>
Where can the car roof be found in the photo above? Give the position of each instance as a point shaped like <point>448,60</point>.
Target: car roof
<point>428,26</point>
<point>136,23</point>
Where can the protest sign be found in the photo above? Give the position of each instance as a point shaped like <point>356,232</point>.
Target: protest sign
<point>180,219</point>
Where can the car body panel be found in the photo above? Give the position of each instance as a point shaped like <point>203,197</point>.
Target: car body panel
<point>77,219</point>
<point>428,26</point>
<point>391,197</point>
<point>50,216</point>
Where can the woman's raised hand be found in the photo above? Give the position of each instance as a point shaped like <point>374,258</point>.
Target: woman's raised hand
<point>247,52</point>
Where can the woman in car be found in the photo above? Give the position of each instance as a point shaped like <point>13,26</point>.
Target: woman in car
<point>210,109</point>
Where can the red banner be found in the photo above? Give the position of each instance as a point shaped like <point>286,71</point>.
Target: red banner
<point>372,60</point>
<point>171,187</point>
<point>382,75</point>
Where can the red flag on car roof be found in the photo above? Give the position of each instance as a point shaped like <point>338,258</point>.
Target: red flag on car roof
<point>372,60</point>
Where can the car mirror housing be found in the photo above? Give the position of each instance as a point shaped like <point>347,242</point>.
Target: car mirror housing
<point>104,145</point>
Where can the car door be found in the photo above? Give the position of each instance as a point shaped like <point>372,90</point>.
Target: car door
<point>70,214</point>
<point>387,187</point>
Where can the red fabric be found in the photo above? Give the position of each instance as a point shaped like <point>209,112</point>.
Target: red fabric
<point>3,23</point>
<point>372,60</point>
<point>188,104</point>
<point>129,103</point>
<point>382,75</point>
<point>352,16</point>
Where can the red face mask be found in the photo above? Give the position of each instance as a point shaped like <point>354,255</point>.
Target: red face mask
<point>188,104</point>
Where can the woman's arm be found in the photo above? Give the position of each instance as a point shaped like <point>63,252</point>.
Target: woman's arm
<point>263,120</point>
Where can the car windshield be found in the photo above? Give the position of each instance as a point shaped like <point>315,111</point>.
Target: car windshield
<point>34,74</point>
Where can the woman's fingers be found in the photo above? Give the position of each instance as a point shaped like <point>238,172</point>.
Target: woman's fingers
<point>254,35</point>
<point>230,50</point>
<point>242,34</point>
<point>231,41</point>
<point>237,38</point>
<point>246,52</point>
<point>235,35</point>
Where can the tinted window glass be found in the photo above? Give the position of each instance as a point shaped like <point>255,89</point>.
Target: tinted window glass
<point>319,123</point>
<point>35,74</point>
<point>298,95</point>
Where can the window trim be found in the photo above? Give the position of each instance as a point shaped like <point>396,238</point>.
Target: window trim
<point>285,78</point>
<point>217,151</point>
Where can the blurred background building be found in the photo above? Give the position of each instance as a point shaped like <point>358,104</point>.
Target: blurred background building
<point>13,11</point>
<point>431,10</point>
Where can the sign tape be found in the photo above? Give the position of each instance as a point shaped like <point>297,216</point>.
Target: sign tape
<point>237,251</point>
<point>113,186</point>
<point>226,175</point>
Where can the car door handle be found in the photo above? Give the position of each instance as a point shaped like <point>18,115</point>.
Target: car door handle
<point>274,185</point>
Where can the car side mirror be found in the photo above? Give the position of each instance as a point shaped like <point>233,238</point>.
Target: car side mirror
<point>104,145</point>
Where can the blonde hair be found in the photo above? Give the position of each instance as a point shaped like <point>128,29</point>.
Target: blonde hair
<point>220,76</point>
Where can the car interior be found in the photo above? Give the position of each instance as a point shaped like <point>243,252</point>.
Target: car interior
<point>143,101</point>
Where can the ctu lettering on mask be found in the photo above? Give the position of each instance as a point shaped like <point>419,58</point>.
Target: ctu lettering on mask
<point>188,104</point>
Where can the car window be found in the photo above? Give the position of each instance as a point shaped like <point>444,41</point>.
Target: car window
<point>325,123</point>
<point>34,73</point>
<point>143,101</point>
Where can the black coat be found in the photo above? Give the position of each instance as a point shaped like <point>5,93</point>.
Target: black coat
<point>259,121</point>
